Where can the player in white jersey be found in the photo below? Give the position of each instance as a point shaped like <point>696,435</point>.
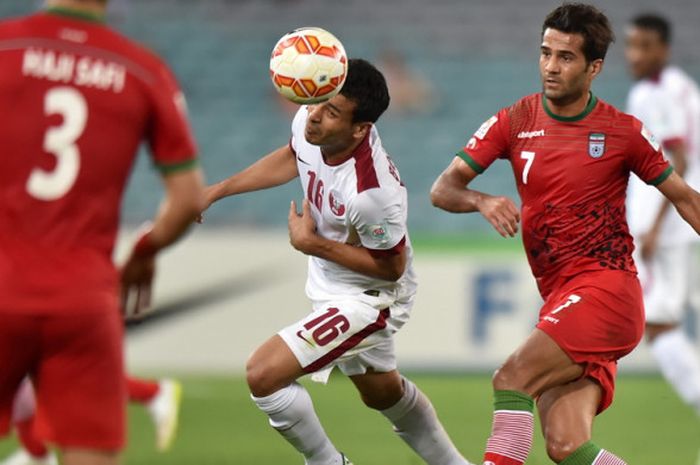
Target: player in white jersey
<point>667,101</point>
<point>360,279</point>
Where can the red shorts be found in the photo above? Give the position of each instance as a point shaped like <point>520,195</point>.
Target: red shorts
<point>76,365</point>
<point>596,318</point>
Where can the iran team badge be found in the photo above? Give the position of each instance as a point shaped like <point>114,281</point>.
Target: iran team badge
<point>336,203</point>
<point>596,144</point>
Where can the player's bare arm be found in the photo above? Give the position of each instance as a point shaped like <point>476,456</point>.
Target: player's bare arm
<point>303,237</point>
<point>684,198</point>
<point>450,192</point>
<point>184,199</point>
<point>649,241</point>
<point>274,169</point>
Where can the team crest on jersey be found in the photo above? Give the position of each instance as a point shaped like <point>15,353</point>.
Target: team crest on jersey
<point>335,201</point>
<point>596,144</point>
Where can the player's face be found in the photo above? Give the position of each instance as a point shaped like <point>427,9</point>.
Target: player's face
<point>646,54</point>
<point>329,124</point>
<point>565,73</point>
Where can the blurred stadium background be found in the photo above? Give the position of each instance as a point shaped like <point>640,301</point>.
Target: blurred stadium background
<point>235,280</point>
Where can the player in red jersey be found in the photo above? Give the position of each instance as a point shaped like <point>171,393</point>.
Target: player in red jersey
<point>572,155</point>
<point>161,398</point>
<point>78,99</point>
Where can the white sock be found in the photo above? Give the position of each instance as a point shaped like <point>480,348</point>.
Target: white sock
<point>679,364</point>
<point>416,422</point>
<point>292,414</point>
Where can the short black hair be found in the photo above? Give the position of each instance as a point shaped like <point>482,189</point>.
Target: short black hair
<point>587,20</point>
<point>656,23</point>
<point>365,85</point>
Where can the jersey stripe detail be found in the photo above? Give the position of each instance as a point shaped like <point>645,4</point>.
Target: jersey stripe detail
<point>349,343</point>
<point>171,168</point>
<point>364,166</point>
<point>662,177</point>
<point>570,119</point>
<point>470,161</point>
<point>386,253</point>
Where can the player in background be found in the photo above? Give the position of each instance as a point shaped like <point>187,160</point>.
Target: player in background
<point>78,99</point>
<point>160,398</point>
<point>667,250</point>
<point>572,155</point>
<point>360,277</point>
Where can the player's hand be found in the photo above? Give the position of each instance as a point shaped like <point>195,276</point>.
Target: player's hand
<point>137,278</point>
<point>648,244</point>
<point>502,213</point>
<point>302,229</point>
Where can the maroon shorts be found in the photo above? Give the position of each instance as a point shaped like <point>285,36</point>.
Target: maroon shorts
<point>76,365</point>
<point>596,318</point>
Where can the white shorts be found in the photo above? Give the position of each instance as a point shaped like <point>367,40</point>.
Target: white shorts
<point>352,333</point>
<point>671,282</point>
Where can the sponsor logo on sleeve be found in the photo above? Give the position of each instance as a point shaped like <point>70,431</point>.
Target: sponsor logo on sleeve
<point>379,232</point>
<point>596,144</point>
<point>484,128</point>
<point>650,138</point>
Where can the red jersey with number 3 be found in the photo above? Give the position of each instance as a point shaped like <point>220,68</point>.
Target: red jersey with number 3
<point>572,176</point>
<point>76,99</point>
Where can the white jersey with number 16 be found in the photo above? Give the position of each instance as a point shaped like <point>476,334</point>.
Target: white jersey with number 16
<point>360,201</point>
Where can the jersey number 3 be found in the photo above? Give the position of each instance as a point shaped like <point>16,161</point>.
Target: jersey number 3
<point>60,142</point>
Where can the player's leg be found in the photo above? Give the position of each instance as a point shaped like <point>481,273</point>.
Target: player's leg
<point>537,365</point>
<point>80,386</point>
<point>666,295</point>
<point>566,414</point>
<point>33,450</point>
<point>271,373</point>
<point>162,400</point>
<point>411,413</point>
<point>16,398</point>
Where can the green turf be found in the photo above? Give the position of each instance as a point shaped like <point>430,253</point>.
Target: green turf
<point>647,425</point>
<point>472,243</point>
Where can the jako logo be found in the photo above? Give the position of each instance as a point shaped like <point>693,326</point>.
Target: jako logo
<point>529,135</point>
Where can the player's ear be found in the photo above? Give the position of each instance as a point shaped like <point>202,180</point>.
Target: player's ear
<point>595,67</point>
<point>360,130</point>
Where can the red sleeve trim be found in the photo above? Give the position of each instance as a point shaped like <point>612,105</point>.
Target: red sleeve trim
<point>386,253</point>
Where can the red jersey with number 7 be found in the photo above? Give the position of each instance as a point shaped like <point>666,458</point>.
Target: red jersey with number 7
<point>77,99</point>
<point>571,174</point>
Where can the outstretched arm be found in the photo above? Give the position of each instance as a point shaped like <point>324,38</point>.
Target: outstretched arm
<point>450,192</point>
<point>276,168</point>
<point>684,198</point>
<point>649,241</point>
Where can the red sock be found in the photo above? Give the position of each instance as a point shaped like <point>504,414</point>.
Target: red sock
<point>30,442</point>
<point>140,390</point>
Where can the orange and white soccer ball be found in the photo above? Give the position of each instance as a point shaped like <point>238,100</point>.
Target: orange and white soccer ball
<point>308,65</point>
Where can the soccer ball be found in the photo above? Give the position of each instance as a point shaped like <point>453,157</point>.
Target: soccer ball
<point>308,65</point>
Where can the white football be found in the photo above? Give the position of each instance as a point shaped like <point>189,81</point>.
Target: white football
<point>308,65</point>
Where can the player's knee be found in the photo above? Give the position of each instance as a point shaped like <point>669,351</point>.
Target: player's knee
<point>382,398</point>
<point>260,380</point>
<point>559,446</point>
<point>504,379</point>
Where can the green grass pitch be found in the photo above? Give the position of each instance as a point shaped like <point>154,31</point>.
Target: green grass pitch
<point>647,424</point>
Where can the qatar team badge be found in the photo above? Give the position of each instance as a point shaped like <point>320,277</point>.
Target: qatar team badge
<point>336,203</point>
<point>596,144</point>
